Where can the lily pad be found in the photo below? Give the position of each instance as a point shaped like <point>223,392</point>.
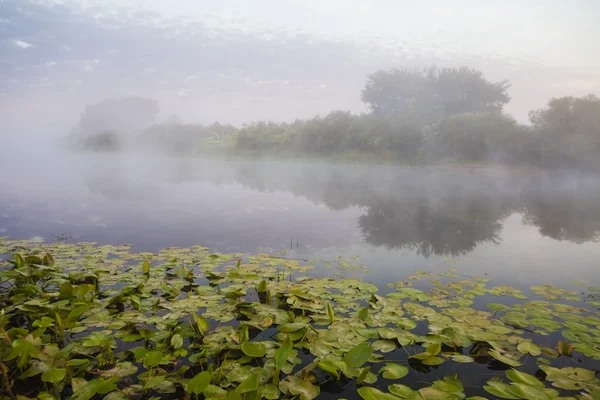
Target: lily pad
<point>297,386</point>
<point>254,349</point>
<point>394,371</point>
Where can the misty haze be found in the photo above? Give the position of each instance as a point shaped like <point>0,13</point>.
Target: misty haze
<point>298,200</point>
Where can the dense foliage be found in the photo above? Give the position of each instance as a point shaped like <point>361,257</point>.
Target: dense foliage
<point>440,116</point>
<point>565,134</point>
<point>428,94</point>
<point>82,321</point>
<point>178,138</point>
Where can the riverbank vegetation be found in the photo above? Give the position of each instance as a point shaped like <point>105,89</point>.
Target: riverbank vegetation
<point>416,117</point>
<point>83,321</point>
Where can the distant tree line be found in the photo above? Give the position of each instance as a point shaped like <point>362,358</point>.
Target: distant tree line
<point>450,115</point>
<point>417,117</point>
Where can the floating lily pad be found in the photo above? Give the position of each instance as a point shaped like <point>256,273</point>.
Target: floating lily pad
<point>393,371</point>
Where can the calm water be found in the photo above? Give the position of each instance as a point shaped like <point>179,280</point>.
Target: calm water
<point>519,229</point>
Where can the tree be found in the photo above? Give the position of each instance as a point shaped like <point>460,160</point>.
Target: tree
<point>476,137</point>
<point>122,115</point>
<point>568,132</point>
<point>430,93</point>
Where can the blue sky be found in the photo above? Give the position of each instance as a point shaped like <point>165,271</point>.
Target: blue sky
<point>238,61</point>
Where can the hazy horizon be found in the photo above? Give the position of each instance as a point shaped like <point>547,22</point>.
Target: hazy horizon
<point>235,63</point>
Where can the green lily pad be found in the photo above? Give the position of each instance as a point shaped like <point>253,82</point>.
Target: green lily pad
<point>358,355</point>
<point>522,377</point>
<point>394,371</point>
<point>370,393</point>
<point>254,349</point>
<point>198,383</point>
<point>505,359</point>
<point>121,370</point>
<point>502,390</point>
<point>529,348</point>
<point>54,375</point>
<point>385,346</point>
<point>297,386</point>
<point>402,391</point>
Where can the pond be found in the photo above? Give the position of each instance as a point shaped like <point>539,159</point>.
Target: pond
<point>497,232</point>
<point>512,227</point>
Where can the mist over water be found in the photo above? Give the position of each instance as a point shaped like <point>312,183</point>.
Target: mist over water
<point>514,226</point>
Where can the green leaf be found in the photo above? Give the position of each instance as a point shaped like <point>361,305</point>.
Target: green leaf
<point>146,267</point>
<point>153,358</point>
<point>66,291</point>
<point>270,392</point>
<point>434,349</point>
<point>362,375</point>
<point>292,327</point>
<point>330,313</point>
<point>154,382</point>
<point>529,348</point>
<point>502,390</point>
<point>54,375</point>
<point>522,377</point>
<point>370,393</point>
<point>77,312</point>
<point>498,307</point>
<point>262,287</point>
<point>330,367</point>
<point>358,355</point>
<point>177,341</point>
<point>529,392</point>
<point>202,325</point>
<point>462,358</point>
<point>295,386</point>
<point>73,362</point>
<point>198,383</point>
<point>249,384</point>
<point>281,354</point>
<point>394,371</point>
<point>256,349</point>
<point>432,360</point>
<point>505,359</point>
<point>401,391</point>
<point>385,345</point>
<point>120,370</point>
<point>91,388</point>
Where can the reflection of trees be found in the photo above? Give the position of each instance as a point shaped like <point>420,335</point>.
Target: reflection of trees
<point>568,211</point>
<point>431,212</point>
<point>430,228</point>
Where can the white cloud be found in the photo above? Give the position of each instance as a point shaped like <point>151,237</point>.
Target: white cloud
<point>50,63</point>
<point>22,44</point>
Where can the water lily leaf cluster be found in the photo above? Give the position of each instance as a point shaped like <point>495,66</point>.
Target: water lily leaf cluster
<point>88,321</point>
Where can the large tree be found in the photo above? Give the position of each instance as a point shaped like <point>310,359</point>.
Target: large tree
<point>129,114</point>
<point>433,92</point>
<point>568,132</point>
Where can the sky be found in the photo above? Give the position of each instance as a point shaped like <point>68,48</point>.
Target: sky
<point>240,61</point>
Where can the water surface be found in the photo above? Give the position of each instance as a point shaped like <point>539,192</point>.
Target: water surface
<point>515,227</point>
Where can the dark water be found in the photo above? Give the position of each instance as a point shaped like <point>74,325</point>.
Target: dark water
<point>518,228</point>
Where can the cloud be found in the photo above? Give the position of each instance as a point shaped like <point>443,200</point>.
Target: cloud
<point>198,72</point>
<point>22,44</point>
